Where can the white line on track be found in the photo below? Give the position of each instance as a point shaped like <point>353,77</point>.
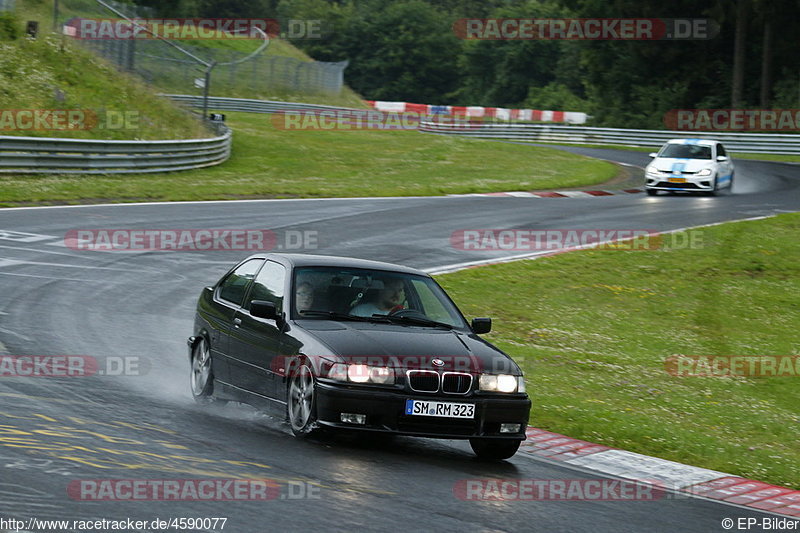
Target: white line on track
<point>206,202</point>
<point>42,250</point>
<point>15,262</point>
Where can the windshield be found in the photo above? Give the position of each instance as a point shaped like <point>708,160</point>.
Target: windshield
<point>686,151</point>
<point>339,293</point>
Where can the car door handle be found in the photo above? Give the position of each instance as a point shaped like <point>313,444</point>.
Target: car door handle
<point>237,322</point>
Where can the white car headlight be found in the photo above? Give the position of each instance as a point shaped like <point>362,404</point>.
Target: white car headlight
<point>704,172</point>
<point>500,383</point>
<point>361,374</point>
<point>652,171</point>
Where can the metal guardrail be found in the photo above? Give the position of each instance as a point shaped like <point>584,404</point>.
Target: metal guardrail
<point>763,143</point>
<point>39,155</point>
<point>247,105</point>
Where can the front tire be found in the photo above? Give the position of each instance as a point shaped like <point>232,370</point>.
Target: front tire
<point>301,401</point>
<point>715,190</point>
<point>494,450</point>
<point>201,376</point>
<point>651,192</point>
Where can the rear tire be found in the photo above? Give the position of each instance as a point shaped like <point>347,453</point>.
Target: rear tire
<point>494,450</point>
<point>201,376</point>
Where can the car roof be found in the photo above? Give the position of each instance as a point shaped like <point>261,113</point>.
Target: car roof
<point>701,142</point>
<point>306,260</point>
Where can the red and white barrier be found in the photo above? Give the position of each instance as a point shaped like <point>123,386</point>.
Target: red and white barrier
<point>500,113</point>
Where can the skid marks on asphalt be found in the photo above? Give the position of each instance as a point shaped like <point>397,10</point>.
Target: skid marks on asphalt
<point>114,445</point>
<point>66,445</point>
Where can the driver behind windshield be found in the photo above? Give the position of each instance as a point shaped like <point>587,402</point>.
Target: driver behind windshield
<point>390,298</point>
<point>304,296</point>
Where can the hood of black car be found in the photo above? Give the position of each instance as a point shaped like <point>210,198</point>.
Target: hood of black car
<point>409,347</point>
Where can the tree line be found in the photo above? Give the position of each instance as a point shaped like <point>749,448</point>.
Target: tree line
<point>408,50</point>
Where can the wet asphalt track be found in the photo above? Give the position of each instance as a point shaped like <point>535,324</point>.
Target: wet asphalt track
<point>55,300</point>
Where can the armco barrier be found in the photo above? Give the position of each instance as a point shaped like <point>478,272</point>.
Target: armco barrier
<point>764,143</point>
<point>37,155</point>
<point>247,105</point>
<point>265,106</point>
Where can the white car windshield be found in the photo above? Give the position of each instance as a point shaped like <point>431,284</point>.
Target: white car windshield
<point>686,151</point>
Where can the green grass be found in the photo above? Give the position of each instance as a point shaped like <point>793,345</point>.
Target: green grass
<point>172,77</point>
<point>592,329</point>
<point>40,74</point>
<point>272,163</point>
<point>768,157</point>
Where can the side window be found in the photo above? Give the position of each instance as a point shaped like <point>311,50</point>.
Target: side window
<point>720,150</point>
<point>234,286</point>
<point>269,284</point>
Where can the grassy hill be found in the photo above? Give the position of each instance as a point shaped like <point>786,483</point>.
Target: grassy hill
<point>47,74</point>
<point>38,74</point>
<point>54,72</point>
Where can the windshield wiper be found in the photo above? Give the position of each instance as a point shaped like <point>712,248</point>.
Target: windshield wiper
<point>418,320</point>
<point>332,314</point>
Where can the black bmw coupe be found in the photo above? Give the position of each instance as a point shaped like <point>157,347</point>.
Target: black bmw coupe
<point>341,343</point>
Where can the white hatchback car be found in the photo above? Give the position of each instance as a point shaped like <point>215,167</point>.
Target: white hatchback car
<point>689,165</point>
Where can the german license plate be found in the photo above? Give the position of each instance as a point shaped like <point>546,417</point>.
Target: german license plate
<point>677,180</point>
<point>443,409</point>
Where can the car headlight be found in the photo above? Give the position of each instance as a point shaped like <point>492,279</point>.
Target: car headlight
<point>501,383</point>
<point>360,373</point>
<point>652,172</point>
<point>704,172</point>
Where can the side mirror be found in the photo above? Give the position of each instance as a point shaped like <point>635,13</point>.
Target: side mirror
<point>721,158</point>
<point>653,154</point>
<point>481,325</point>
<point>263,309</point>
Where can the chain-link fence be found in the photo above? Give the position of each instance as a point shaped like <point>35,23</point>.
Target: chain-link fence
<point>262,75</point>
<point>177,70</point>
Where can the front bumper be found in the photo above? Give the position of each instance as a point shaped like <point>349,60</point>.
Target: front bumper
<point>385,412</point>
<point>692,183</point>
